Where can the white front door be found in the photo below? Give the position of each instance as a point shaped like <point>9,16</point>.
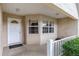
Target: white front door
<point>14,31</point>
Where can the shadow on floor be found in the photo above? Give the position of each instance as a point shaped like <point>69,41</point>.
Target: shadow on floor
<point>26,50</point>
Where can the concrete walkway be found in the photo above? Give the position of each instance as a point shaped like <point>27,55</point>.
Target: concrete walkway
<point>26,50</point>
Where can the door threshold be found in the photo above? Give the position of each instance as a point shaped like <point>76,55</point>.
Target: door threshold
<point>15,46</point>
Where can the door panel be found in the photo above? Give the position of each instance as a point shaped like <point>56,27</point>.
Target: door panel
<point>14,31</point>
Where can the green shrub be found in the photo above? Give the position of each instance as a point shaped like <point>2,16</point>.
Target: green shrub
<point>71,48</point>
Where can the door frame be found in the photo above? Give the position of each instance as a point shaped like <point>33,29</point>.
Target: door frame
<point>20,29</point>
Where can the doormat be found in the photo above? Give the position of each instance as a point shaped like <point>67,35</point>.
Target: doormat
<point>15,46</point>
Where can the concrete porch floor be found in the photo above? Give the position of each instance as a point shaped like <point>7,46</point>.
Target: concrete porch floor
<point>26,50</point>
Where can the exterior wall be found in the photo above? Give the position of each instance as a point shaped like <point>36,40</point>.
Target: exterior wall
<point>46,36</point>
<point>1,48</point>
<point>5,27</point>
<point>31,38</point>
<point>66,27</point>
<point>69,8</point>
<point>62,28</point>
<point>40,38</point>
<point>28,39</point>
<point>24,30</point>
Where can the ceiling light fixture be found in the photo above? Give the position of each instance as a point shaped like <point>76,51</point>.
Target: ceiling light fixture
<point>17,9</point>
<point>57,13</point>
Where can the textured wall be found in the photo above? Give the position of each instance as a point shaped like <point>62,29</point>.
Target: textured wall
<point>67,27</point>
<point>40,38</point>
<point>62,28</point>
<point>1,49</point>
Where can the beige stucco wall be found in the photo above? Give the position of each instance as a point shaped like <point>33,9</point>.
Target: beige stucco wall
<point>66,27</point>
<point>62,28</point>
<point>47,36</point>
<point>1,48</point>
<point>32,38</point>
<point>28,39</point>
<point>40,38</point>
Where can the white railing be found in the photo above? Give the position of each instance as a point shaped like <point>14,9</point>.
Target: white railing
<point>54,48</point>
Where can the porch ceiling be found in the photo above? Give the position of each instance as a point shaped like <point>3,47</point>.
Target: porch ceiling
<point>31,8</point>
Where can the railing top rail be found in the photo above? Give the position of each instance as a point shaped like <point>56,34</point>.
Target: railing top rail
<point>70,37</point>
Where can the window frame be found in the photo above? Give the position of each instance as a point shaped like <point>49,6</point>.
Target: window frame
<point>33,26</point>
<point>52,26</point>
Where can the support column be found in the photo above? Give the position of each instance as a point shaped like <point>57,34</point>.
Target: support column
<point>78,27</point>
<point>1,49</point>
<point>77,6</point>
<point>40,31</point>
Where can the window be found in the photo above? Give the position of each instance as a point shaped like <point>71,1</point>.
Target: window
<point>51,29</point>
<point>48,27</point>
<point>33,26</point>
<point>33,23</point>
<point>45,29</point>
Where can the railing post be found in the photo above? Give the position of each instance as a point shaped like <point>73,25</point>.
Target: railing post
<point>50,48</point>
